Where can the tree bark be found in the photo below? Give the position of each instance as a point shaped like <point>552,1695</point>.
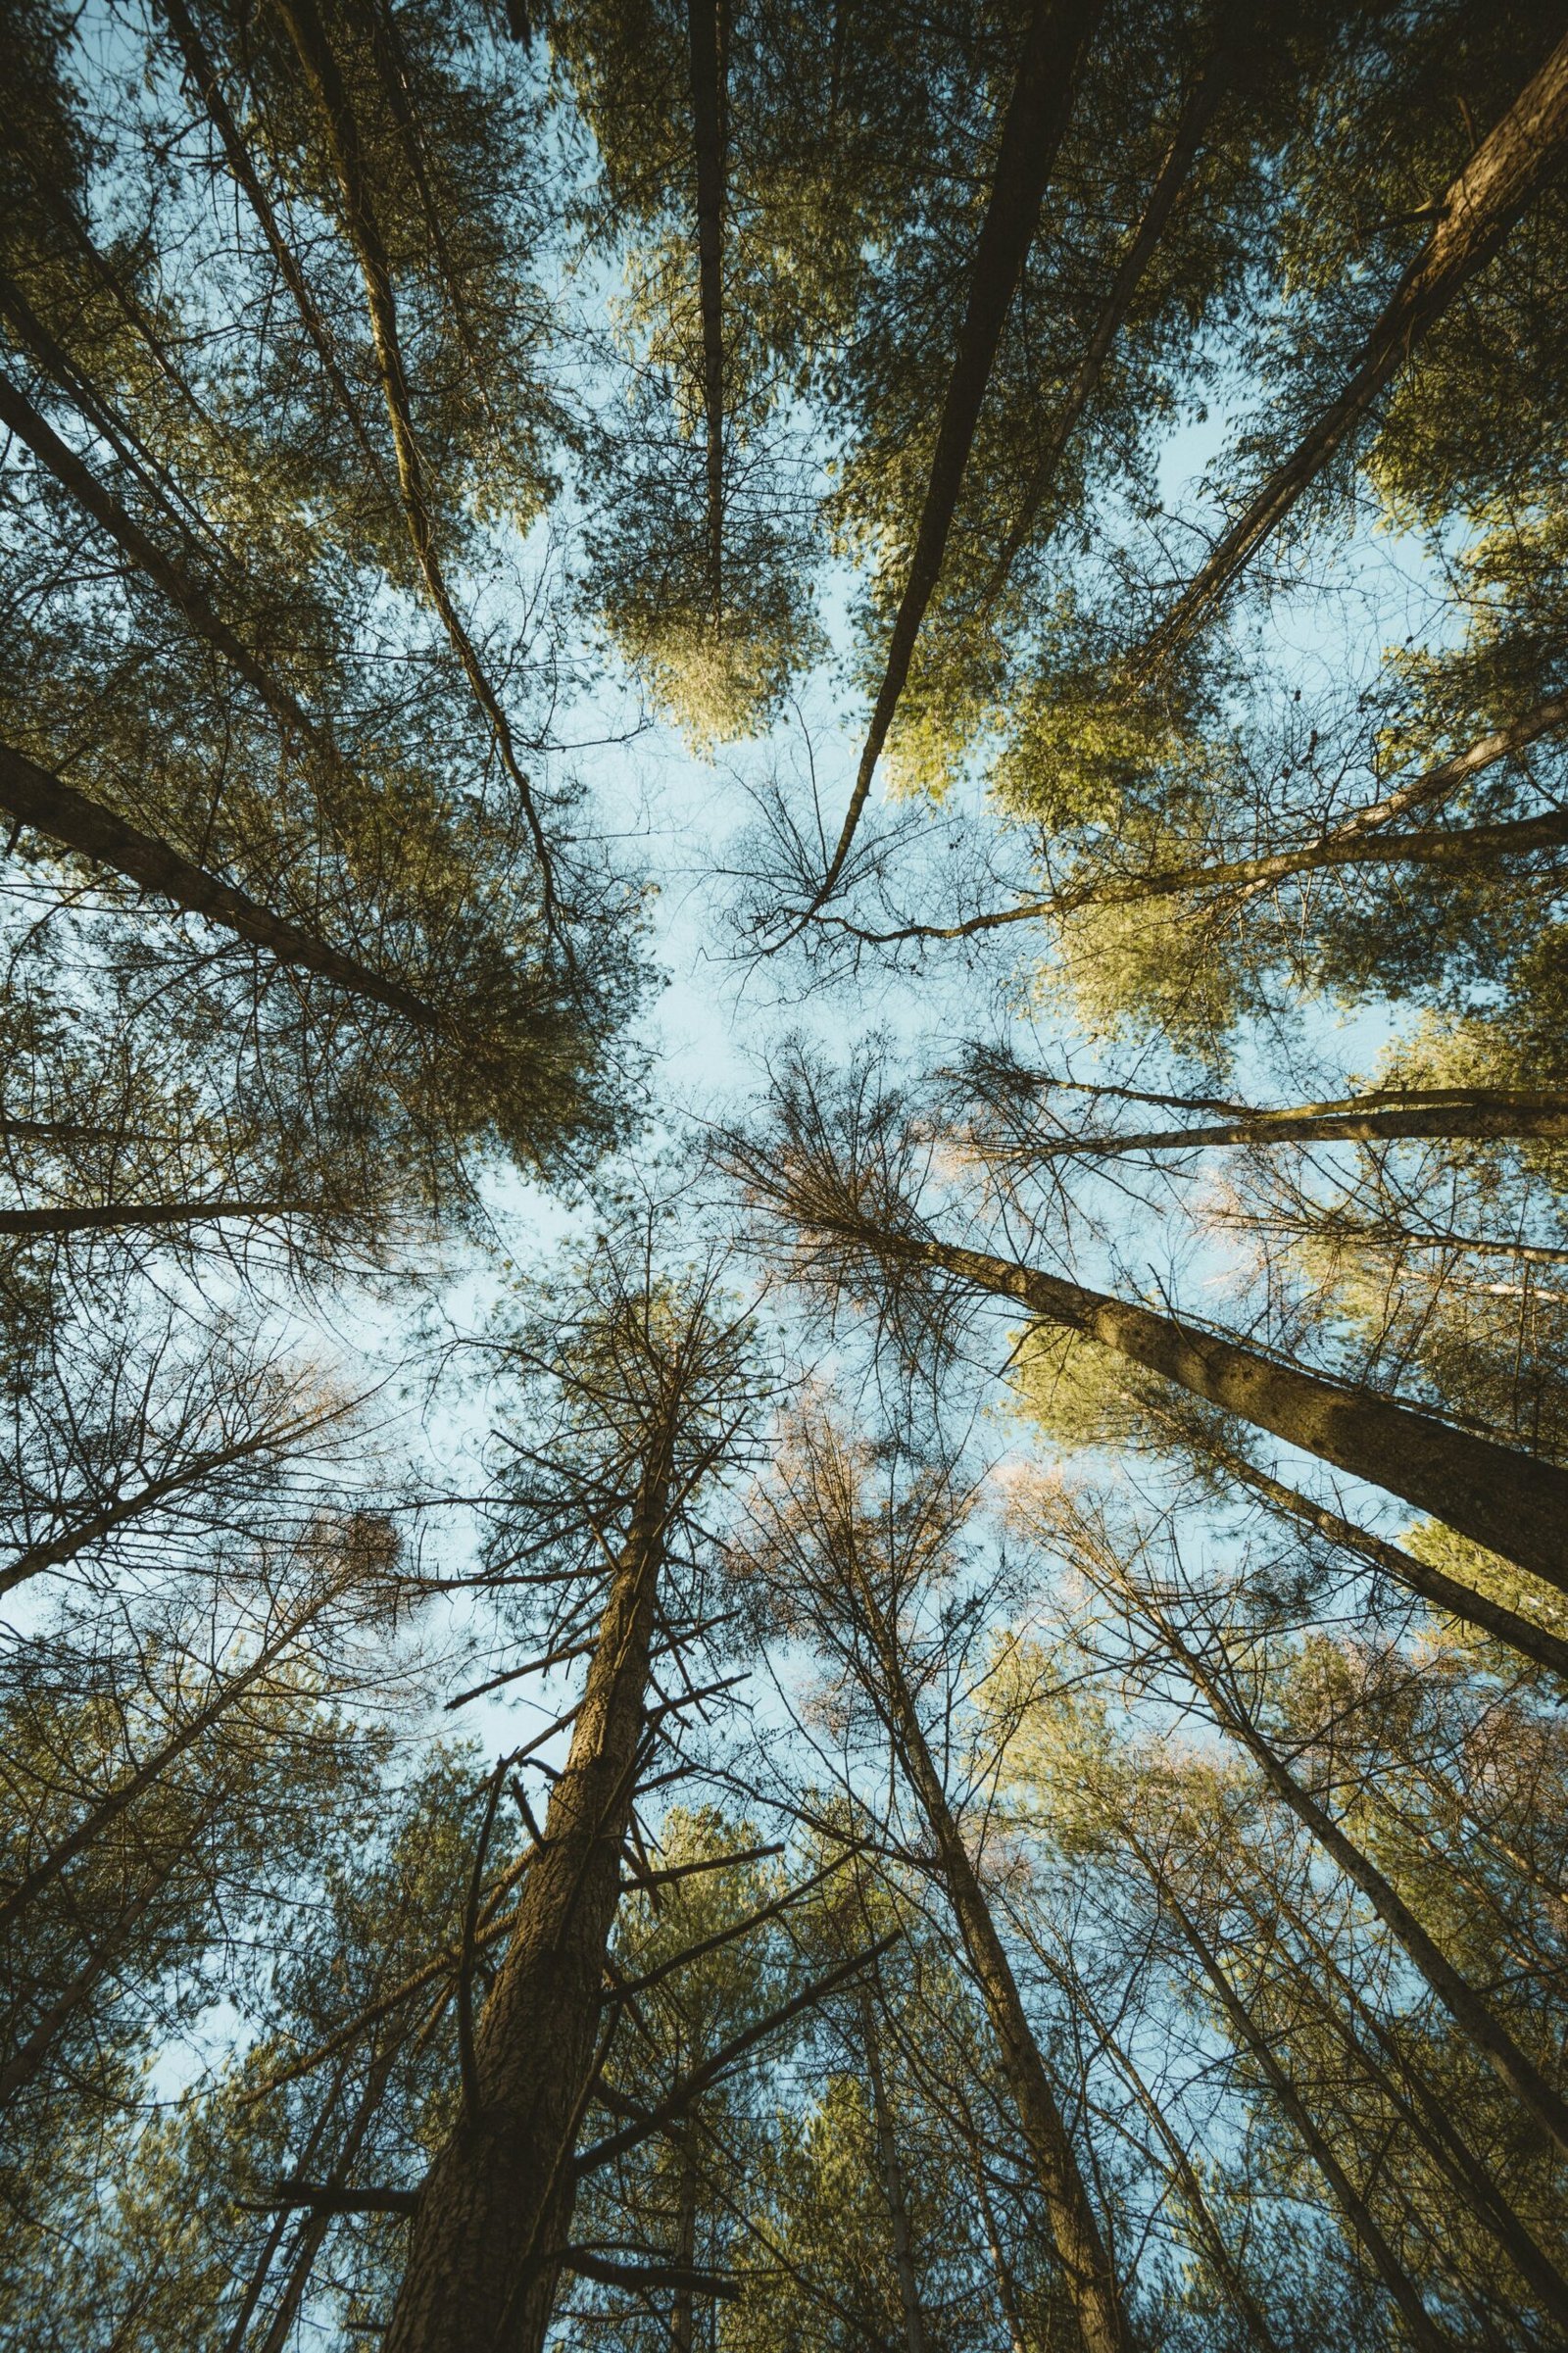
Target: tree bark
<point>30,795</point>
<point>112,1217</point>
<point>1031,136</point>
<point>1447,1594</point>
<point>495,2212</point>
<point>682,2315</point>
<point>705,32</point>
<point>1518,157</point>
<point>1392,1115</point>
<point>892,2177</point>
<point>1088,2275</point>
<point>1424,2332</point>
<point>1511,1502</point>
<point>1194,120</point>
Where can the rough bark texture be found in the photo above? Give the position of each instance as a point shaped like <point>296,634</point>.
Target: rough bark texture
<point>682,2312</point>
<point>707,38</point>
<point>892,2177</point>
<point>1510,166</point>
<point>1080,2248</point>
<point>1511,1502</point>
<point>30,795</point>
<point>1424,2332</point>
<point>495,2213</point>
<point>1036,121</point>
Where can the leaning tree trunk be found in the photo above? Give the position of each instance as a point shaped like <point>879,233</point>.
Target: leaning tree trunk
<point>1363,2223</point>
<point>1036,122</point>
<point>494,2215</point>
<point>1088,2275</point>
<point>31,797</point>
<point>705,33</point>
<point>1511,1502</point>
<point>1510,166</point>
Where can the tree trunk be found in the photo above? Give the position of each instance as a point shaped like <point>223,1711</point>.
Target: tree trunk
<point>1446,1594</point>
<point>112,1217</point>
<point>1453,1989</point>
<point>1424,2332</point>
<point>1508,1502</point>
<point>1195,117</point>
<point>1387,1115</point>
<point>1518,157</point>
<point>1089,2278</point>
<point>892,2178</point>
<point>30,795</point>
<point>77,477</point>
<point>109,1809</point>
<point>305,30</point>
<point>315,2224</point>
<point>1036,121</point>
<point>682,2315</point>
<point>495,2212</point>
<point>705,32</point>
<point>1002,2269</point>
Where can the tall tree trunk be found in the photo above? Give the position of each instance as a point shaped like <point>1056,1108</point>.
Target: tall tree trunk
<point>495,2211</point>
<point>705,32</point>
<point>74,476</point>
<point>1086,2265</point>
<point>682,2316</point>
<point>1508,1502</point>
<point>1446,1594</point>
<point>1384,1115</point>
<point>322,72</point>
<point>1469,2012</point>
<point>1519,157</point>
<point>892,2177</point>
<point>109,1809</point>
<point>1031,136</point>
<point>1195,117</point>
<point>1424,2331</point>
<point>1424,2115</point>
<point>114,1217</point>
<point>30,795</point>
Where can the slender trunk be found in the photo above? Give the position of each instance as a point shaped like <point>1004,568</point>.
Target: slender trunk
<point>1184,2174</point>
<point>77,477</point>
<point>1472,848</point>
<point>204,77</point>
<point>1424,2332</point>
<point>1423,2113</point>
<point>706,35</point>
<point>1036,121</point>
<point>102,1816</point>
<point>892,2177</point>
<point>1508,1502</point>
<point>495,2211</point>
<point>317,2222</point>
<point>1002,2268</point>
<point>114,1217</point>
<point>1453,1989</point>
<point>1510,166</point>
<point>1385,1116</point>
<point>1194,120</point>
<point>682,2314</point>
<point>30,795</point>
<point>1446,1594</point>
<point>234,2341</point>
<point>55,1551</point>
<point>322,72</point>
<point>1087,2270</point>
